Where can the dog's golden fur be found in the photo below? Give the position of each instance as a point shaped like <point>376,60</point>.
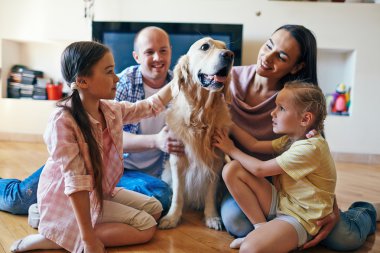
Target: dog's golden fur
<point>195,113</point>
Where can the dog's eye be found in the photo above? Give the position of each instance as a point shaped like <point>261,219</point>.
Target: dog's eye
<point>205,47</point>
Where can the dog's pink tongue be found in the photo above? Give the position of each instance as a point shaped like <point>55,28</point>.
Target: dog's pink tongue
<point>220,79</point>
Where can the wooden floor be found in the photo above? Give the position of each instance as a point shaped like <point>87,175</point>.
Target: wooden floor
<point>355,182</point>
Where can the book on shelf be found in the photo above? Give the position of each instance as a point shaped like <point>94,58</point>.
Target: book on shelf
<point>28,79</point>
<point>26,83</point>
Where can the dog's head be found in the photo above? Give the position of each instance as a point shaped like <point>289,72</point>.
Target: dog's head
<point>207,64</point>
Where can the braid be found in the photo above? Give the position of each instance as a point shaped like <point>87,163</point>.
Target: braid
<point>78,60</point>
<point>81,118</point>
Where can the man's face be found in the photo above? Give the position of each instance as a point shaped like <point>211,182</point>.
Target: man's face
<point>154,54</point>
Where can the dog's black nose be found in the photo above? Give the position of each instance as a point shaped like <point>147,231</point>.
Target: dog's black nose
<point>227,55</point>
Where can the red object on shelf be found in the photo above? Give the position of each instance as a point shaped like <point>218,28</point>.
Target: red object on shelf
<point>54,91</point>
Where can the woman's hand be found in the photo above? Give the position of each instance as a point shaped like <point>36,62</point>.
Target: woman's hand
<point>222,141</point>
<point>311,133</point>
<point>327,224</point>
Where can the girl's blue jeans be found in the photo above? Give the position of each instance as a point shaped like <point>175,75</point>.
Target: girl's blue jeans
<point>16,196</point>
<point>349,233</point>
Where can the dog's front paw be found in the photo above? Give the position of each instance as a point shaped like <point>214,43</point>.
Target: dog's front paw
<point>167,222</point>
<point>214,223</point>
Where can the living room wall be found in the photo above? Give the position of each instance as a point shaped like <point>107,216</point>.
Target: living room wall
<point>337,26</point>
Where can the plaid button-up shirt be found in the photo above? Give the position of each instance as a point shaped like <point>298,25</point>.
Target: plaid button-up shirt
<point>131,88</point>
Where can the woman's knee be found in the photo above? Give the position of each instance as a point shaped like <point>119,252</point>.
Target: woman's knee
<point>237,226</point>
<point>351,242</point>
<point>234,220</point>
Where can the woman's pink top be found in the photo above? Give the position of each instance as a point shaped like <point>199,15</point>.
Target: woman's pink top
<point>68,168</point>
<point>256,120</point>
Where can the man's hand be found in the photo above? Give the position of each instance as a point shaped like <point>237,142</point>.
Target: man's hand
<point>327,224</point>
<point>167,142</point>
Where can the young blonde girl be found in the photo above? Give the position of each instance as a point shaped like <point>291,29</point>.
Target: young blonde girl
<point>80,207</point>
<point>283,213</point>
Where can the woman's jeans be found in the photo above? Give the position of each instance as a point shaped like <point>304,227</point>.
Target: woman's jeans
<point>16,196</point>
<point>349,233</point>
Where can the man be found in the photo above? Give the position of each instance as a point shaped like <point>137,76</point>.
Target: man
<point>146,142</point>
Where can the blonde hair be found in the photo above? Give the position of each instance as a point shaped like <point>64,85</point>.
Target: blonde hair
<point>308,97</point>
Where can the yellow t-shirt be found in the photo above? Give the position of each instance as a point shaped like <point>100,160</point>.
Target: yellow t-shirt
<point>306,189</point>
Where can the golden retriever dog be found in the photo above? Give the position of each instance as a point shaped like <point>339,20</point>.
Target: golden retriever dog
<point>202,78</point>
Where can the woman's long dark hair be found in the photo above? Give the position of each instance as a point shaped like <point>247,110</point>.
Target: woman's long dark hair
<point>77,60</point>
<point>308,55</point>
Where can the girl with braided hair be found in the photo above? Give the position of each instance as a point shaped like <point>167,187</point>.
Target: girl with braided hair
<point>81,208</point>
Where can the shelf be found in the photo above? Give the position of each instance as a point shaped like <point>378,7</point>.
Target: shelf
<point>43,56</point>
<point>28,117</point>
<point>336,66</point>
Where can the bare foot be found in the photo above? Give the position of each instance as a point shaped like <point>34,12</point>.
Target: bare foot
<point>32,242</point>
<point>235,244</point>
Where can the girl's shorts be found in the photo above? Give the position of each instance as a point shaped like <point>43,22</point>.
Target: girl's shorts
<point>303,236</point>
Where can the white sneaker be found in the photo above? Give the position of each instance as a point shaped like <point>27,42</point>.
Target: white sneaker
<point>33,216</point>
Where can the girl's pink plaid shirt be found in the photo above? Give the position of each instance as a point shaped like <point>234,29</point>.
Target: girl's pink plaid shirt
<point>68,168</point>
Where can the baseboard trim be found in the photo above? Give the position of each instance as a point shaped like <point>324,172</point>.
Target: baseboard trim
<point>21,137</point>
<point>356,158</point>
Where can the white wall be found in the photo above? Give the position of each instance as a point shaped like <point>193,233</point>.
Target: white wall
<point>349,26</point>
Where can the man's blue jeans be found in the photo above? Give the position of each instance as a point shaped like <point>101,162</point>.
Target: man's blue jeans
<point>16,196</point>
<point>349,233</point>
<point>144,183</point>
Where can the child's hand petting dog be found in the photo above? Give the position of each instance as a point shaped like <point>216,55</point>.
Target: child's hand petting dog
<point>222,141</point>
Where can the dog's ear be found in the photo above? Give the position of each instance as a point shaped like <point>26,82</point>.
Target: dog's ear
<point>181,70</point>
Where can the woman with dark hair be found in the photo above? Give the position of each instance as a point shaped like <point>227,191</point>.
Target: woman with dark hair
<point>81,208</point>
<point>289,54</point>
